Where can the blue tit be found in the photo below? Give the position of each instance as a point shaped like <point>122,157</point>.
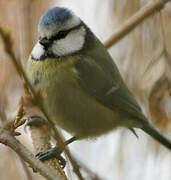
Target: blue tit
<point>85,93</point>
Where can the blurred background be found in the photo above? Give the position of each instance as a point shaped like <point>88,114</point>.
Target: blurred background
<point>144,60</point>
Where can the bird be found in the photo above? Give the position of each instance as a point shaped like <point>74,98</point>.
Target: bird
<point>84,92</point>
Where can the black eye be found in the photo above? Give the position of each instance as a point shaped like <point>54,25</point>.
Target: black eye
<point>60,35</point>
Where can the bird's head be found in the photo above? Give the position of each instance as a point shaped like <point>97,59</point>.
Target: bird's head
<point>61,33</point>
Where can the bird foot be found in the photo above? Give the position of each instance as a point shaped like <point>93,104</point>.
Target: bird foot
<point>52,153</point>
<point>36,121</point>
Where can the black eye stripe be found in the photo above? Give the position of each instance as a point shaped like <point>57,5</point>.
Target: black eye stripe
<point>63,34</point>
<point>60,35</point>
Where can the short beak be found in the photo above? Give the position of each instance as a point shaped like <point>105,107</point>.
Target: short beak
<point>44,41</point>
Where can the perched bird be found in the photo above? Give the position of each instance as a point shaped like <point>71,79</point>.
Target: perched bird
<point>85,93</point>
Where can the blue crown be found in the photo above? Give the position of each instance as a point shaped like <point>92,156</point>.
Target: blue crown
<point>54,17</point>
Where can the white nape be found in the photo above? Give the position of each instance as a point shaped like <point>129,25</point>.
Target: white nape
<point>72,22</point>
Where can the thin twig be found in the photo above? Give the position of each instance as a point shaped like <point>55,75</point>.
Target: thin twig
<point>133,21</point>
<point>77,165</point>
<point>7,139</point>
<point>26,169</point>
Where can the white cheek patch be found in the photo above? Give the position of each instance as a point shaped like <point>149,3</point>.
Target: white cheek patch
<point>37,51</point>
<point>73,42</point>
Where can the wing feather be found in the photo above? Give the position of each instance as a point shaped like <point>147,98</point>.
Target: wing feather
<point>100,78</point>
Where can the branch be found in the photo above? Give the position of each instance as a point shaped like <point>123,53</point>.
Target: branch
<point>133,21</point>
<point>7,139</point>
<point>26,169</point>
<point>40,136</point>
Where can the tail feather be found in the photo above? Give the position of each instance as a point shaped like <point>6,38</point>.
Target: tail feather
<point>149,129</point>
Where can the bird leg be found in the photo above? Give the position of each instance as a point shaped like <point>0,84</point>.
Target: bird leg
<point>55,152</point>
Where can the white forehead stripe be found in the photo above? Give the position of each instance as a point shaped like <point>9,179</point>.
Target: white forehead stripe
<point>37,51</point>
<point>73,42</point>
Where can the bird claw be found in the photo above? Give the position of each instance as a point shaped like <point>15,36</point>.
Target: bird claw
<point>52,153</point>
<point>36,121</point>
